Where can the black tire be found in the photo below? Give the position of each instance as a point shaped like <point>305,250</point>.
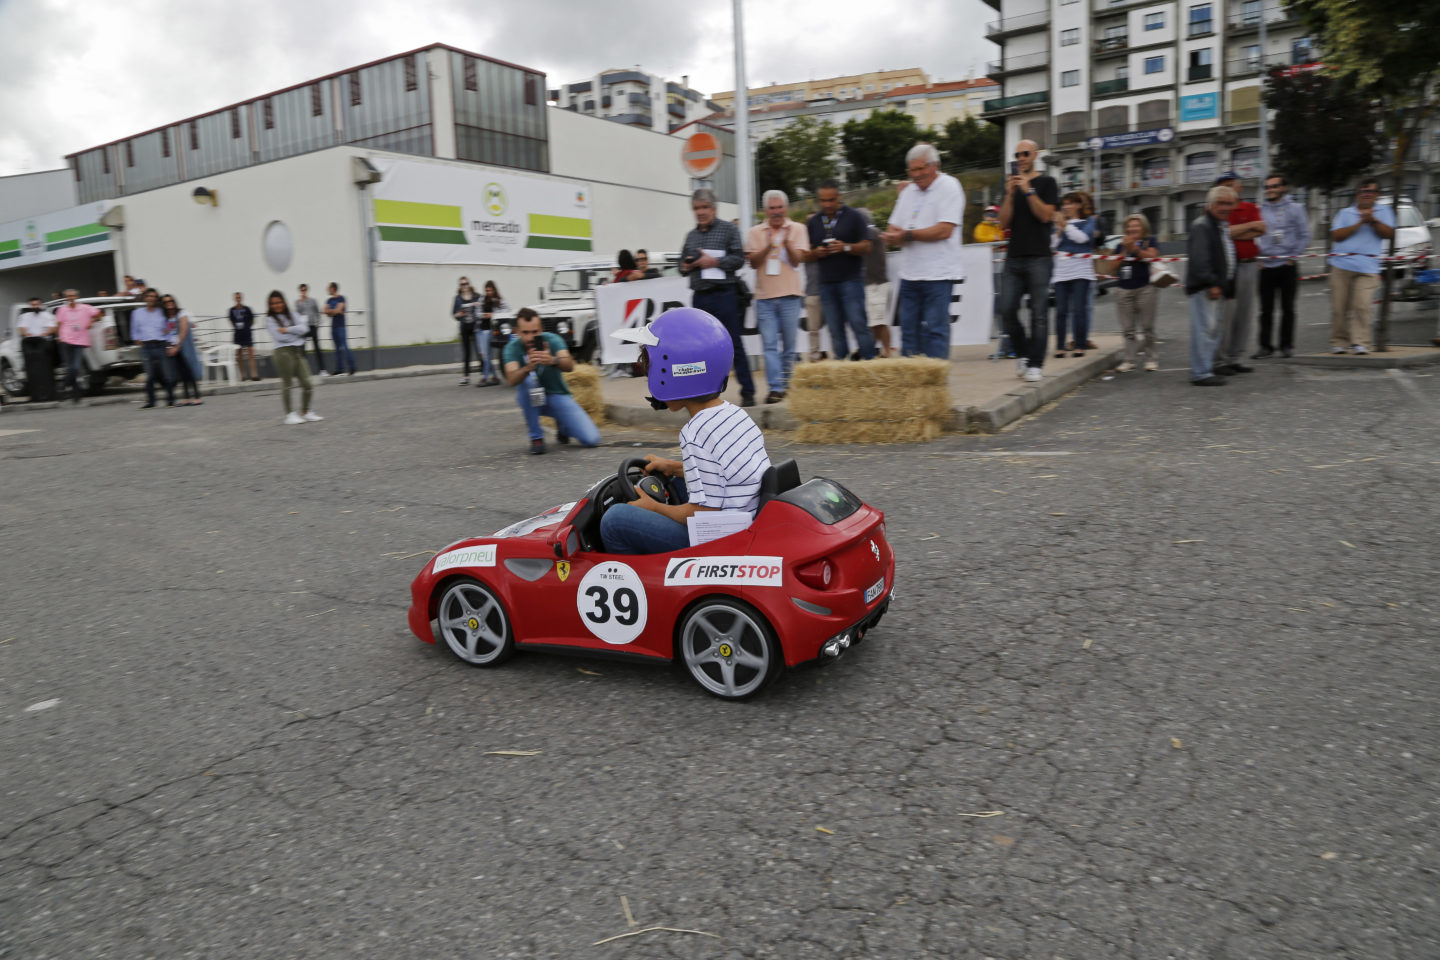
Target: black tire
<point>92,384</point>
<point>473,624</point>
<point>11,382</point>
<point>586,351</point>
<point>728,648</point>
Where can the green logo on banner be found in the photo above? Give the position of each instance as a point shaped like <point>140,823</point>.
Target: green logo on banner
<point>495,199</point>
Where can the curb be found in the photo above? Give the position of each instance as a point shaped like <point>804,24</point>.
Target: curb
<point>1369,361</point>
<point>1026,398</point>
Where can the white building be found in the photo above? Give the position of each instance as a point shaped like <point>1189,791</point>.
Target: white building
<point>636,98</point>
<point>1181,79</point>
<point>392,179</point>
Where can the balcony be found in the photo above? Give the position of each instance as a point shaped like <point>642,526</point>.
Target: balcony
<point>624,76</point>
<point>1013,26</point>
<point>639,99</point>
<point>1103,88</point>
<point>997,69</point>
<point>1109,46</point>
<point>1025,100</point>
<point>1203,72</point>
<point>1250,21</point>
<point>634,119</point>
<point>1200,28</point>
<point>1102,7</point>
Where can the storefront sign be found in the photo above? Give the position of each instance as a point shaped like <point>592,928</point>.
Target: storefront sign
<point>1138,138</point>
<point>430,213</point>
<point>61,235</point>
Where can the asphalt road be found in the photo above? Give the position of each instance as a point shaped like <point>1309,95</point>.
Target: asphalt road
<point>1160,682</point>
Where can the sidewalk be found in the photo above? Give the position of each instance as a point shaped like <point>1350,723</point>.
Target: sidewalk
<point>986,394</point>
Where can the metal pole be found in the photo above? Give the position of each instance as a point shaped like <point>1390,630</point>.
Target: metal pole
<point>744,186</point>
<point>373,318</point>
<point>1264,124</point>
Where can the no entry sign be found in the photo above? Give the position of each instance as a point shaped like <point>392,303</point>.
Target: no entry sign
<point>700,155</point>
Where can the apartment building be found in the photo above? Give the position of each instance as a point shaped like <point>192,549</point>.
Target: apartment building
<point>636,98</point>
<point>854,87</point>
<point>1142,102</point>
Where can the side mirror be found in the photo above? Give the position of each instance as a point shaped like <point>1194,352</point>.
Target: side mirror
<point>566,543</point>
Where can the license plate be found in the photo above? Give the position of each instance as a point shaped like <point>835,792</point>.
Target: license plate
<point>877,588</point>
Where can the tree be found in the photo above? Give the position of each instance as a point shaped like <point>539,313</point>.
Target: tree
<point>970,142</point>
<point>798,157</point>
<point>1388,51</point>
<point>875,147</point>
<point>1326,133</point>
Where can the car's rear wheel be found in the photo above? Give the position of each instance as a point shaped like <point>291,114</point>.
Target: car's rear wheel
<point>10,380</point>
<point>92,384</point>
<point>474,625</point>
<point>729,648</point>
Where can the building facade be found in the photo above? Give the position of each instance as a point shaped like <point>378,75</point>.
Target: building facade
<point>636,98</point>
<point>1178,79</point>
<point>854,87</point>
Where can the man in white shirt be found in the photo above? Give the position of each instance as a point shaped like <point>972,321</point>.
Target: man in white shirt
<point>926,224</point>
<point>36,326</point>
<point>775,249</point>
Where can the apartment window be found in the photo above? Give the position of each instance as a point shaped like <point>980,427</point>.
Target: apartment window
<point>1069,37</point>
<point>1201,22</point>
<point>588,106</point>
<point>1155,21</point>
<point>235,124</point>
<point>1300,50</point>
<point>1122,72</point>
<point>1250,55</point>
<point>317,100</point>
<point>194,135</point>
<point>1154,64</point>
<point>1070,78</point>
<point>412,80</point>
<point>1250,12</point>
<point>532,90</point>
<point>268,112</point>
<point>164,143</point>
<point>1200,65</point>
<point>869,87</point>
<point>129,154</point>
<point>356,97</point>
<point>1200,168</point>
<point>472,82</point>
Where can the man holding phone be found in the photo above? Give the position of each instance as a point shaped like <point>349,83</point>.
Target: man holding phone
<point>1031,199</point>
<point>710,255</point>
<point>839,241</point>
<point>534,361</point>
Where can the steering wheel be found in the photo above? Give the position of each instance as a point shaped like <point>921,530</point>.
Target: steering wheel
<point>654,486</point>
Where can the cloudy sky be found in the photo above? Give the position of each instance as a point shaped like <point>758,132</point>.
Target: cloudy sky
<point>76,73</point>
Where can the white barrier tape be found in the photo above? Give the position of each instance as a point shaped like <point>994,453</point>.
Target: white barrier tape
<point>1418,258</point>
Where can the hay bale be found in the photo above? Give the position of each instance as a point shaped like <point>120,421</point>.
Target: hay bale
<point>869,403</point>
<point>584,384</point>
<point>845,374</point>
<point>914,430</point>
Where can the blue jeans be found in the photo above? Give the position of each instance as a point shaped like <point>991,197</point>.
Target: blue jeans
<point>344,359</point>
<point>925,318</point>
<point>482,344</point>
<point>629,529</point>
<point>779,321</point>
<point>1072,305</point>
<point>1204,333</point>
<point>842,304</point>
<point>570,419</point>
<point>723,305</point>
<point>1020,276</point>
<point>157,365</point>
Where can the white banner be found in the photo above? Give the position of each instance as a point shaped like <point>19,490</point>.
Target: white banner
<point>636,304</point>
<point>432,213</point>
<point>60,235</point>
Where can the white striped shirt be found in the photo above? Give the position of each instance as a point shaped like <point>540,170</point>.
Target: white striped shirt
<point>724,456</point>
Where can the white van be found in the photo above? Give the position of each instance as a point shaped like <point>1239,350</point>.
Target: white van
<point>110,354</point>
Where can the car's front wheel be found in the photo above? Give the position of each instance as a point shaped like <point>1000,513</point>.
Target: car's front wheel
<point>729,648</point>
<point>474,625</point>
<point>10,380</point>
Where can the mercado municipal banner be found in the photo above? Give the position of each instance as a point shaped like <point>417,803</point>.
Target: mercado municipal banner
<point>637,303</point>
<point>433,213</point>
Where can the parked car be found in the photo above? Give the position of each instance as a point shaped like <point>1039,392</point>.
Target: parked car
<point>111,352</point>
<point>567,305</point>
<point>1412,239</point>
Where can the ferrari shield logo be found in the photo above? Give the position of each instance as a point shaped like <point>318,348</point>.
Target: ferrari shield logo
<point>562,569</point>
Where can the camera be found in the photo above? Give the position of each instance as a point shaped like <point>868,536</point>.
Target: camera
<point>691,257</point>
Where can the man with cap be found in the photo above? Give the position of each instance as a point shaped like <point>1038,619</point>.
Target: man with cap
<point>1237,321</point>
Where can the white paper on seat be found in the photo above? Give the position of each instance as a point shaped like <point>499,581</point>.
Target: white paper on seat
<point>707,525</point>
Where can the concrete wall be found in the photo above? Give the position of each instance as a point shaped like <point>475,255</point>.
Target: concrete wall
<point>27,194</point>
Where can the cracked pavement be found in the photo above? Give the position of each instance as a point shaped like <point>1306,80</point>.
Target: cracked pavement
<point>1183,642</point>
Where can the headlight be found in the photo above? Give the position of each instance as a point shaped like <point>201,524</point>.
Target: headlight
<point>504,329</point>
<point>562,328</point>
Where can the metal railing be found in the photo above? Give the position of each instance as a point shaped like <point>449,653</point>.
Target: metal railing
<point>1020,100</point>
<point>1102,87</point>
<point>1024,22</point>
<point>1111,44</point>
<point>1025,61</point>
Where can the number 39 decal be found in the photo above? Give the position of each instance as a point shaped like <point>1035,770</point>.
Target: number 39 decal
<point>611,601</point>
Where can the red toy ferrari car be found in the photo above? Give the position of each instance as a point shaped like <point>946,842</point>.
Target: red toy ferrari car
<point>812,575</point>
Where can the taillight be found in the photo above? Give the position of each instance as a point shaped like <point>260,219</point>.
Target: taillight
<point>817,575</point>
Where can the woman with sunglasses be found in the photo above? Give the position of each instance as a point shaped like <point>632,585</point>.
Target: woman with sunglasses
<point>181,332</point>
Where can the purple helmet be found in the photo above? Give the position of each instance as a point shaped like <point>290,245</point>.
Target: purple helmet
<point>688,352</point>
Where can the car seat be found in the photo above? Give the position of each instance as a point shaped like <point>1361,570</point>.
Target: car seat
<point>777,478</point>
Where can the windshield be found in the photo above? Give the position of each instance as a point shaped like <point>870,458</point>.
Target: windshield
<point>1408,217</point>
<point>568,284</point>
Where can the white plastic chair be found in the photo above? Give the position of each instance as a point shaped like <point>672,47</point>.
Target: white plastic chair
<point>220,357</point>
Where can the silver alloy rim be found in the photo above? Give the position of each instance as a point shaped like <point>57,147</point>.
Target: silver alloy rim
<point>725,650</point>
<point>472,623</point>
